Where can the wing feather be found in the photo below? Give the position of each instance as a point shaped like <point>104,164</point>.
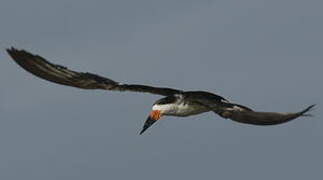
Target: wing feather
<point>243,114</point>
<point>262,118</point>
<point>44,69</point>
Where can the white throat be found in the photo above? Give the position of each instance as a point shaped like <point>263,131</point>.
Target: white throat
<point>180,109</point>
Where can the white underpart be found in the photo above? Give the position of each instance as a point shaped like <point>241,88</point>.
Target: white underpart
<point>180,109</point>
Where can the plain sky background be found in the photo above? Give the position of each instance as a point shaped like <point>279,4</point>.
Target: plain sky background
<point>265,54</point>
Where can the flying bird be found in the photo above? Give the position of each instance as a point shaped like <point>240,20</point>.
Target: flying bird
<point>174,103</point>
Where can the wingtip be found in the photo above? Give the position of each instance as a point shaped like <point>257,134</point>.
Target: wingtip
<point>311,107</point>
<point>308,109</point>
<point>18,53</point>
<point>11,50</point>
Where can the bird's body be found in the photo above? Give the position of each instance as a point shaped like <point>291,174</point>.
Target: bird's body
<point>175,103</point>
<point>179,107</point>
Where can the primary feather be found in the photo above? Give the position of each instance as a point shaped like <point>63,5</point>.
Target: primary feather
<point>44,69</point>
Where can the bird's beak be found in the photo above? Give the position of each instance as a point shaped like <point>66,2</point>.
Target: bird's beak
<point>152,118</point>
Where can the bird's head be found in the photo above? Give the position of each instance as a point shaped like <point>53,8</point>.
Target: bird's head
<point>161,107</point>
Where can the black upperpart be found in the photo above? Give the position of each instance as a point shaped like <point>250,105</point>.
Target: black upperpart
<point>166,100</point>
<point>191,95</point>
<point>204,95</point>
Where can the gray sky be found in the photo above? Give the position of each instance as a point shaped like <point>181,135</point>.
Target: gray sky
<point>266,54</point>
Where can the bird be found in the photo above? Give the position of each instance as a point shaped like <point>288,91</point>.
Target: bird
<point>175,102</point>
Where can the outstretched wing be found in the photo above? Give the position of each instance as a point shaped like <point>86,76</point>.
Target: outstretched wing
<point>42,68</point>
<point>243,114</point>
<point>247,116</point>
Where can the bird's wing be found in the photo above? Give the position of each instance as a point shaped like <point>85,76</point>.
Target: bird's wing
<point>243,114</point>
<point>44,69</point>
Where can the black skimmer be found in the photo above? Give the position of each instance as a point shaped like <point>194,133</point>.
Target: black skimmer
<point>176,103</point>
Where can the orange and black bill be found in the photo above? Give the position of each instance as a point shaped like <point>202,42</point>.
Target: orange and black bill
<point>147,124</point>
<point>152,118</point>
